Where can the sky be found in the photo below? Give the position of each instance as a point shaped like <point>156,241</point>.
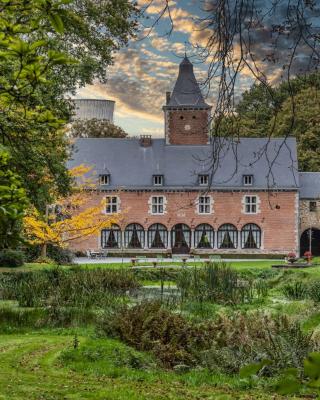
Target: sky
<point>147,68</point>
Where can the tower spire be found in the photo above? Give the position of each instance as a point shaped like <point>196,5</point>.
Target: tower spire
<point>186,92</point>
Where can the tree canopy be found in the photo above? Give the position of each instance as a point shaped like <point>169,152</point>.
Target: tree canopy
<point>96,128</point>
<point>13,202</point>
<point>291,109</point>
<point>49,48</point>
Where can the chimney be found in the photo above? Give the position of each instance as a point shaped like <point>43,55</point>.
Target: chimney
<point>145,140</point>
<point>168,96</point>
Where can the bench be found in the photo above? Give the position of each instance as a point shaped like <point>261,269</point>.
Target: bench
<point>180,259</point>
<point>215,257</point>
<point>138,259</point>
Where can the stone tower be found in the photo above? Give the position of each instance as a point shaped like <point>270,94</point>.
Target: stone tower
<point>187,115</point>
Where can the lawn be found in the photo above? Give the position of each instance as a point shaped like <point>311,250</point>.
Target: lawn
<point>45,366</point>
<point>241,265</point>
<point>50,351</point>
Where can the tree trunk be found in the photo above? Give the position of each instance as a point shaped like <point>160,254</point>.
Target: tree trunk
<point>44,250</point>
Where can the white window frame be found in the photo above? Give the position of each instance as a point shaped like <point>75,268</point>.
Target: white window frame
<point>203,179</point>
<point>112,205</point>
<point>104,179</point>
<point>158,180</point>
<point>251,204</point>
<point>157,205</point>
<point>204,207</point>
<point>247,180</point>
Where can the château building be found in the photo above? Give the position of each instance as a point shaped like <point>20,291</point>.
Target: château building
<point>186,193</point>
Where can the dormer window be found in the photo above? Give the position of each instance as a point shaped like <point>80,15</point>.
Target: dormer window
<point>203,180</point>
<point>104,179</point>
<point>247,180</point>
<point>158,180</point>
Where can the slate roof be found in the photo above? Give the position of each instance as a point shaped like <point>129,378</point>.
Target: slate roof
<point>131,166</point>
<point>186,91</point>
<point>309,185</point>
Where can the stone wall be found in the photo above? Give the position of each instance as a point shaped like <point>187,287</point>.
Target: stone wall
<point>309,219</point>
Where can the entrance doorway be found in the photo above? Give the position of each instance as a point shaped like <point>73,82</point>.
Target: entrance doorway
<point>181,239</point>
<point>310,237</point>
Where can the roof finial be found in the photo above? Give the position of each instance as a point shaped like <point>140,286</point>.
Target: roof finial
<point>185,49</point>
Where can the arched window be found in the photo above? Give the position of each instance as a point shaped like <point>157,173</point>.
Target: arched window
<point>251,237</point>
<point>204,237</point>
<point>227,237</point>
<point>134,236</point>
<point>157,237</point>
<point>111,237</point>
<point>181,238</point>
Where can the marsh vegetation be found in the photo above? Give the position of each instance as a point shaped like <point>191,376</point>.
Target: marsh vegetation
<point>197,327</point>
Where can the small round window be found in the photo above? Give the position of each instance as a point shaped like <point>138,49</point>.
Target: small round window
<point>181,117</point>
<point>194,117</point>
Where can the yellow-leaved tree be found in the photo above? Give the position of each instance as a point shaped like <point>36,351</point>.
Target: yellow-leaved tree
<point>70,218</point>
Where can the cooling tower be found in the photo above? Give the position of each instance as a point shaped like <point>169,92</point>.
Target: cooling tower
<point>91,108</point>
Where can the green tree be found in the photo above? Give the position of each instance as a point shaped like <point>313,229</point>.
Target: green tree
<point>305,126</point>
<point>96,128</point>
<point>291,109</point>
<point>13,202</point>
<point>48,48</point>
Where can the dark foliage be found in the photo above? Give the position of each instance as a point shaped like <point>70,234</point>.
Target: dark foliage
<point>59,255</point>
<point>11,258</point>
<point>148,326</point>
<point>223,344</point>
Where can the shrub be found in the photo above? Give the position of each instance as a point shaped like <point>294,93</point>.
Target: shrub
<point>44,260</point>
<point>149,327</point>
<point>226,343</point>
<point>59,255</point>
<point>11,258</point>
<point>249,338</point>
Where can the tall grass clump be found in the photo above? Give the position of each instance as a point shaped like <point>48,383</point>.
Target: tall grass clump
<point>314,291</point>
<point>295,291</point>
<point>75,288</point>
<point>217,283</point>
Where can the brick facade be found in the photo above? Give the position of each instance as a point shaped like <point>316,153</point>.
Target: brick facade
<point>273,228</point>
<point>187,127</point>
<point>276,209</point>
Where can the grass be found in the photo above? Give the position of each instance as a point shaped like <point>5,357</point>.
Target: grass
<point>261,264</point>
<point>41,364</point>
<point>45,366</point>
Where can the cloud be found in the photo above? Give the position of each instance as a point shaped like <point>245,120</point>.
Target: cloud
<point>137,82</point>
<point>144,71</point>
